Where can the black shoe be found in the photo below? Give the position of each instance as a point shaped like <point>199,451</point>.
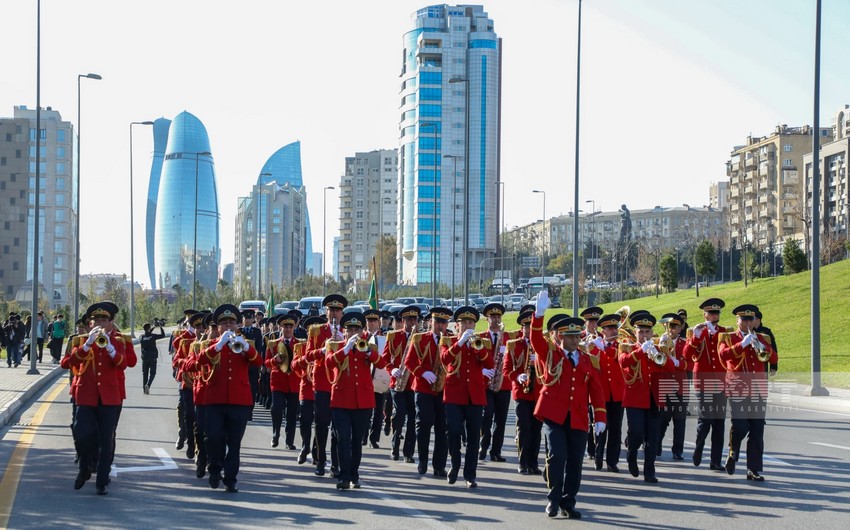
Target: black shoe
<point>698,454</point>
<point>571,513</point>
<point>633,468</point>
<point>440,473</point>
<point>536,471</point>
<point>612,469</point>
<point>471,484</point>
<point>76,459</point>
<point>374,445</point>
<point>730,465</point>
<point>651,480</point>
<point>598,463</point>
<point>678,456</point>
<point>551,510</point>
<point>409,460</point>
<point>497,458</point>
<point>452,476</point>
<point>291,447</point>
<point>363,443</point>
<point>302,456</point>
<point>200,471</point>
<point>231,488</point>
<point>343,485</point>
<point>422,468</point>
<point>81,479</point>
<point>319,471</point>
<point>215,480</point>
<point>394,455</point>
<point>274,441</point>
<point>179,444</point>
<point>101,490</point>
<point>355,484</point>
<point>716,467</point>
<point>754,475</point>
<point>523,471</point>
<point>334,472</point>
<point>482,455</point>
<point>190,452</point>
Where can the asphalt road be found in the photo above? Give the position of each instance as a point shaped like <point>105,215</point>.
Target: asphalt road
<point>806,470</point>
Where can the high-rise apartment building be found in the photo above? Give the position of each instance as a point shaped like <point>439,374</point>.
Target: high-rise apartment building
<point>271,232</point>
<point>718,195</point>
<point>187,218</point>
<point>766,189</point>
<point>57,206</point>
<point>450,117</point>
<point>368,196</point>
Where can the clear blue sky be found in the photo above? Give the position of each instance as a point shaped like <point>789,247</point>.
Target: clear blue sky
<point>669,87</point>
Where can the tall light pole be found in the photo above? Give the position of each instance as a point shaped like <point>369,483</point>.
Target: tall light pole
<point>325,235</point>
<point>132,243</point>
<point>261,239</point>
<point>465,262</point>
<point>36,210</point>
<point>77,228</point>
<point>454,220</point>
<point>543,248</point>
<point>500,186</point>
<point>195,243</point>
<point>575,208</point>
<point>433,228</point>
<point>592,230</point>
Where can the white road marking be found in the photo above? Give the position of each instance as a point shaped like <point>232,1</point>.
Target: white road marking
<point>766,458</point>
<point>421,518</point>
<point>167,464</point>
<point>831,445</point>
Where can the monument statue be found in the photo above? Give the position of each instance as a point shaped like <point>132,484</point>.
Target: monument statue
<point>625,225</point>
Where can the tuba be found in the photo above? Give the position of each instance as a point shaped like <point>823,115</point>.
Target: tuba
<point>626,335</point>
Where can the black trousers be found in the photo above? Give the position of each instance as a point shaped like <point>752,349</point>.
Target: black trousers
<point>200,436</point>
<point>148,371</point>
<point>497,407</point>
<point>349,425</point>
<point>181,418</point>
<point>405,412</point>
<point>748,421</point>
<point>529,430</point>
<point>563,461</point>
<point>610,442</point>
<point>94,429</point>
<point>373,434</point>
<point>676,412</point>
<point>323,424</point>
<point>644,425</point>
<point>55,347</point>
<point>458,416</point>
<point>306,424</point>
<point>225,426</point>
<point>431,414</point>
<point>284,403</point>
<point>712,419</point>
<point>188,415</point>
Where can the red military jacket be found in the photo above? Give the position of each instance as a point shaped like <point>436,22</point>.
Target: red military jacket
<point>96,373</point>
<point>303,370</point>
<point>395,349</point>
<point>642,377</point>
<point>566,389</point>
<point>613,384</point>
<point>199,374</point>
<point>281,381</point>
<point>351,386</point>
<point>499,352</point>
<point>182,346</point>
<point>228,384</point>
<point>317,335</point>
<point>465,384</point>
<point>675,383</point>
<point>709,371</point>
<point>745,373</point>
<point>423,355</point>
<point>516,363</point>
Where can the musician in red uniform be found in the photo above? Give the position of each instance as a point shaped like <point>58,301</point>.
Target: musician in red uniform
<point>605,348</point>
<point>400,390</point>
<point>675,386</point>
<point>184,331</point>
<point>96,363</point>
<point>642,397</point>
<point>466,358</point>
<point>709,382</point>
<point>318,335</point>
<point>200,376</point>
<point>284,386</point>
<point>303,369</point>
<point>352,395</point>
<point>380,379</point>
<point>423,362</point>
<point>747,356</point>
<point>498,388</point>
<point>519,368</point>
<point>228,396</point>
<point>185,382</point>
<point>570,383</point>
<point>591,331</point>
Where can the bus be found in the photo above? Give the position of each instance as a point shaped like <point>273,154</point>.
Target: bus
<point>535,285</point>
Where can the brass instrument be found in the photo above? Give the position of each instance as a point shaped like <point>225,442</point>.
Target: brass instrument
<point>283,357</point>
<point>626,335</point>
<point>236,347</point>
<point>495,383</point>
<point>478,344</point>
<point>762,353</point>
<point>439,370</point>
<point>657,356</point>
<point>102,341</point>
<point>530,371</point>
<point>361,345</point>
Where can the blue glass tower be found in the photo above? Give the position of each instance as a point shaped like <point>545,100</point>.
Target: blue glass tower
<point>160,139</point>
<point>284,167</point>
<point>187,195</point>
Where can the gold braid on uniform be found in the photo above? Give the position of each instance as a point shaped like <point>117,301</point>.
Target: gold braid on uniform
<point>637,367</point>
<point>454,366</point>
<point>555,372</point>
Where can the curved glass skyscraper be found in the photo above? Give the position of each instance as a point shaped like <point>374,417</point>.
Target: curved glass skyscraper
<point>284,167</point>
<point>160,140</point>
<point>187,215</point>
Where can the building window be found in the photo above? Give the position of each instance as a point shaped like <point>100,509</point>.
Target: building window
<point>60,199</point>
<point>60,168</point>
<point>60,214</point>
<point>358,215</point>
<point>60,152</point>
<point>358,225</point>
<point>787,148</point>
<point>786,162</point>
<point>60,135</point>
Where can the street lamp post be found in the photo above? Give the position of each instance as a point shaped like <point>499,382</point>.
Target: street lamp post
<point>132,245</point>
<point>261,239</point>
<point>33,370</point>
<point>195,240</point>
<point>501,243</point>
<point>454,220</point>
<point>464,262</point>
<point>576,190</point>
<point>592,230</point>
<point>434,227</point>
<point>77,228</point>
<point>543,248</point>
<point>325,234</point>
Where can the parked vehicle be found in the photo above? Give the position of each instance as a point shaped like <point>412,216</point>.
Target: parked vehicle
<point>285,307</point>
<point>307,303</point>
<point>405,301</point>
<point>256,305</point>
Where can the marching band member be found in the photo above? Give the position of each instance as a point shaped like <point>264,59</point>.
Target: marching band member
<point>641,398</point>
<point>423,362</point>
<point>674,386</point>
<point>255,334</point>
<point>284,388</point>
<point>380,379</point>
<point>304,370</point>
<point>605,346</point>
<point>746,355</point>
<point>178,362</point>
<point>591,316</point>
<point>709,376</point>
<point>520,364</point>
<point>184,331</point>
<point>352,395</point>
<point>200,377</point>
<point>402,395</point>
<point>569,383</point>
<point>466,358</point>
<point>228,397</point>
<point>498,388</point>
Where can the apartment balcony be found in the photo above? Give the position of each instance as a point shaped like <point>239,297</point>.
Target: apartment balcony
<point>763,198</point>
<point>735,192</point>
<point>734,207</point>
<point>750,163</point>
<point>749,189</point>
<point>789,224</point>
<point>749,203</point>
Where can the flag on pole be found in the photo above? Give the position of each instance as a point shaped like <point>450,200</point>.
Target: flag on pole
<point>271,303</point>
<point>373,290</point>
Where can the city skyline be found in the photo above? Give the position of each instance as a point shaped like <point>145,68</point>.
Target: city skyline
<point>684,82</point>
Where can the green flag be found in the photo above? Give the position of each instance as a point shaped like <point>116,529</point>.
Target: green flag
<point>373,293</point>
<point>271,303</point>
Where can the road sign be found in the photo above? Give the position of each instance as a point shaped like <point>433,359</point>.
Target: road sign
<point>531,261</point>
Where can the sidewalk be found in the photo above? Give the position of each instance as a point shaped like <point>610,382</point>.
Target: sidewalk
<point>16,387</point>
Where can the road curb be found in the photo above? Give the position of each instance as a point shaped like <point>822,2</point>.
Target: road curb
<point>10,409</point>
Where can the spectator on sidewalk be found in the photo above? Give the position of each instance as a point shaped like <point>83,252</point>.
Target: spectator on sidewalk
<point>150,354</point>
<point>27,342</point>
<point>40,333</point>
<point>56,332</point>
<point>15,336</point>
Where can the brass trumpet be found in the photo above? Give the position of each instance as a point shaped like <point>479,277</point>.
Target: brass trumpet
<point>236,347</point>
<point>478,344</point>
<point>102,340</point>
<point>657,356</point>
<point>361,345</point>
<point>761,352</point>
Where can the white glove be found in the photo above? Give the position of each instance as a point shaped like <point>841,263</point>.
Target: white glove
<point>503,349</point>
<point>92,337</point>
<point>396,373</point>
<point>191,330</point>
<point>748,339</point>
<point>488,372</point>
<point>110,349</point>
<point>600,427</point>
<point>532,358</point>
<point>647,346</point>
<point>226,337</point>
<point>522,378</point>
<point>599,343</point>
<point>430,377</point>
<point>542,303</point>
<point>712,328</point>
<point>664,338</point>
<point>350,344</point>
<point>466,336</point>
<point>698,330</point>
<point>241,340</point>
<point>675,362</point>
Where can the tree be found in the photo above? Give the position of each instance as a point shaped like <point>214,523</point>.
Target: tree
<point>560,264</point>
<point>385,260</point>
<point>705,261</point>
<point>669,274</point>
<point>793,257</point>
<point>644,272</point>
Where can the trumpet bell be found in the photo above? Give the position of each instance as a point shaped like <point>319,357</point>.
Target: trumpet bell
<point>763,355</point>
<point>478,344</point>
<point>362,345</point>
<point>236,347</point>
<point>102,340</point>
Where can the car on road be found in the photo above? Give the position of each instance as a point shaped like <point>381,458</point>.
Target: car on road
<point>517,301</point>
<point>308,302</point>
<point>405,300</point>
<point>256,305</point>
<point>285,307</point>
